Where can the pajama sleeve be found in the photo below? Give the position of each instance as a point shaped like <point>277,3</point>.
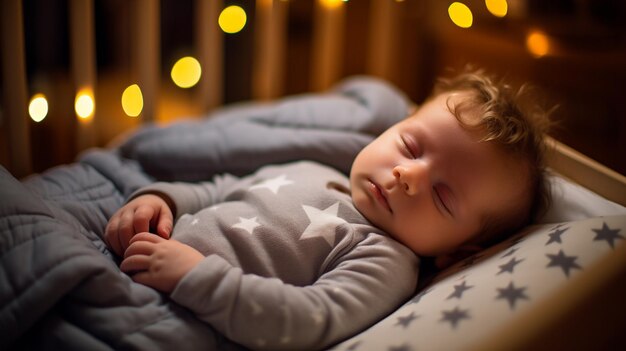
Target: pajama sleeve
<point>360,287</point>
<point>191,197</point>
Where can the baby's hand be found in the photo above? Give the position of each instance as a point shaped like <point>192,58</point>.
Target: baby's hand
<point>153,261</point>
<point>139,215</point>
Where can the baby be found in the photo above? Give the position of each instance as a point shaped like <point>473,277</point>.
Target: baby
<point>298,256</point>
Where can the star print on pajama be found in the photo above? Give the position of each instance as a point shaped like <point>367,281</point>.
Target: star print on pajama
<point>273,184</point>
<point>247,224</point>
<point>323,223</point>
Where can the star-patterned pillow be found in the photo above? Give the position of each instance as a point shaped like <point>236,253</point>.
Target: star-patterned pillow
<point>472,299</point>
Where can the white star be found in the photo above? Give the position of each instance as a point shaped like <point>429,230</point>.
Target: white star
<point>256,308</point>
<point>323,223</point>
<point>247,224</point>
<point>273,184</point>
<point>318,317</point>
<point>194,222</point>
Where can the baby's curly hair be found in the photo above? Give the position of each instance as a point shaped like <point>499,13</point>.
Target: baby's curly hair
<point>517,128</point>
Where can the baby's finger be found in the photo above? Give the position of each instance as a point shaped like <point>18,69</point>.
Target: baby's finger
<point>125,230</point>
<point>142,217</point>
<point>145,236</point>
<point>110,235</point>
<point>137,247</point>
<point>166,222</point>
<point>135,263</point>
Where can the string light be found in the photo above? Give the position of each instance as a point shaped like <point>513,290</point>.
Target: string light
<point>84,104</point>
<point>460,14</point>
<point>537,43</point>
<point>232,19</point>
<point>132,100</point>
<point>497,8</point>
<point>331,4</point>
<point>38,107</point>
<point>186,72</point>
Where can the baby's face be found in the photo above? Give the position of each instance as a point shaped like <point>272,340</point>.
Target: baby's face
<point>430,183</point>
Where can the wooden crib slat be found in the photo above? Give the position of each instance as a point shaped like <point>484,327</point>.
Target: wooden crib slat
<point>270,39</point>
<point>15,91</point>
<point>210,50</point>
<point>147,53</point>
<point>383,38</point>
<point>328,37</point>
<point>83,55</point>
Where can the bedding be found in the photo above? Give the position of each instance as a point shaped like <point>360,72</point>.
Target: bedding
<point>60,287</point>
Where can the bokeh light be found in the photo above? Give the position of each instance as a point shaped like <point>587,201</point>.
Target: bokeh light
<point>498,8</point>
<point>186,72</point>
<point>460,14</point>
<point>84,104</point>
<point>332,3</point>
<point>132,100</point>
<point>232,19</point>
<point>38,107</point>
<point>537,44</point>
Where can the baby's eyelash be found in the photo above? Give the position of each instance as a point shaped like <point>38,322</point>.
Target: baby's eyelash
<point>407,148</point>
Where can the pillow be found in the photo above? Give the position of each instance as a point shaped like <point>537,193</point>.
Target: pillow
<point>469,301</point>
<point>572,202</point>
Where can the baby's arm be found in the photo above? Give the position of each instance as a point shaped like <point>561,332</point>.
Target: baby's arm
<point>139,215</point>
<point>258,312</point>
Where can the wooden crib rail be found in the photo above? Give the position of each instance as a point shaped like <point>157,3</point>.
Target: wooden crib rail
<point>586,171</point>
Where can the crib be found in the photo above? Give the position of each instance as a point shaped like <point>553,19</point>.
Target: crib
<point>569,269</point>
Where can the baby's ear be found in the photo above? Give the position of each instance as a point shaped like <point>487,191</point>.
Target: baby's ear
<point>446,260</point>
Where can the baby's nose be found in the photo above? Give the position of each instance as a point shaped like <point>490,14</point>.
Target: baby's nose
<point>412,177</point>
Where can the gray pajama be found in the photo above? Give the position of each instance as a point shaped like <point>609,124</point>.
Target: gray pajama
<point>290,263</point>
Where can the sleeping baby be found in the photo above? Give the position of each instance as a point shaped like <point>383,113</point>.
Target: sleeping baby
<point>299,256</point>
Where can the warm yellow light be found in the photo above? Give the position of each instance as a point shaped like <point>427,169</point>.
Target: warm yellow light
<point>497,8</point>
<point>232,19</point>
<point>38,107</point>
<point>84,104</point>
<point>132,100</point>
<point>460,14</point>
<point>331,4</point>
<point>537,44</point>
<point>186,72</point>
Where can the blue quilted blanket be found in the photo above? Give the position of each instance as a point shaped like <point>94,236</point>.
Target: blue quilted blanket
<point>60,288</point>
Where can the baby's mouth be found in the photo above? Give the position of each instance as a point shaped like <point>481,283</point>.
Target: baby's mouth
<point>379,195</point>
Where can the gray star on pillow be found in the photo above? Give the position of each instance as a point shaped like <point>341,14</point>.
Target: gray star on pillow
<point>605,233</point>
<point>405,321</point>
<point>511,294</point>
<point>555,235</point>
<point>459,290</point>
<point>403,347</point>
<point>454,316</point>
<point>562,260</point>
<point>509,266</point>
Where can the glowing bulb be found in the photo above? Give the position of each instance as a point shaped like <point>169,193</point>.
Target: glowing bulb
<point>497,8</point>
<point>38,107</point>
<point>186,72</point>
<point>460,14</point>
<point>537,44</point>
<point>232,19</point>
<point>331,4</point>
<point>84,104</point>
<point>132,100</point>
